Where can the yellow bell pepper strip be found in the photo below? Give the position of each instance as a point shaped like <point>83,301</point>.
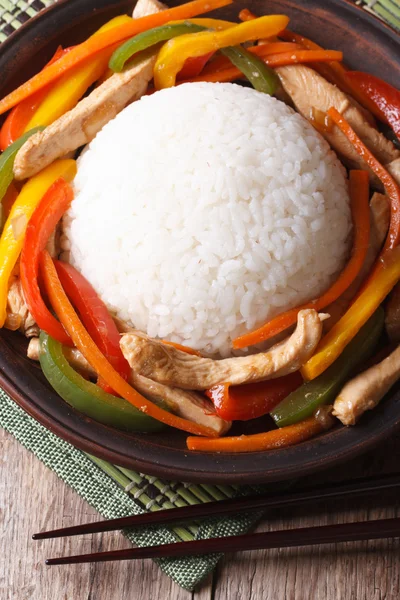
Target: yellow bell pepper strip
<point>384,277</point>
<point>13,235</point>
<point>82,340</point>
<point>147,39</point>
<point>258,442</point>
<point>173,54</point>
<point>70,88</point>
<point>391,188</point>
<point>95,44</point>
<point>359,196</point>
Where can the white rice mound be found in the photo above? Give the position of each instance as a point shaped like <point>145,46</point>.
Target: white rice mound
<point>203,210</point>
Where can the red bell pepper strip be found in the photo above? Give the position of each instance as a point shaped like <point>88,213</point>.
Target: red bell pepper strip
<point>43,221</point>
<point>384,97</point>
<point>67,314</point>
<point>95,317</point>
<point>193,66</point>
<point>245,402</point>
<point>8,200</point>
<point>19,117</point>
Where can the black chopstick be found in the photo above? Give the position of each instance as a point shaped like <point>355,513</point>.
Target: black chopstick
<point>306,536</point>
<point>358,487</point>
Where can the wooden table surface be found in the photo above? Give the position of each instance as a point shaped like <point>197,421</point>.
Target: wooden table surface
<point>33,498</point>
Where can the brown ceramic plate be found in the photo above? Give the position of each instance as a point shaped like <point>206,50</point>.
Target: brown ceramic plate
<point>368,45</point>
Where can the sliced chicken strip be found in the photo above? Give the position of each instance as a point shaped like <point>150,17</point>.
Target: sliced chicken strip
<point>379,217</point>
<point>366,390</point>
<point>189,405</point>
<point>81,124</point>
<point>18,315</point>
<point>166,364</point>
<point>310,90</point>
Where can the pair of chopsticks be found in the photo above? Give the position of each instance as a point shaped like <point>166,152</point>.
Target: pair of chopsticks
<point>307,536</point>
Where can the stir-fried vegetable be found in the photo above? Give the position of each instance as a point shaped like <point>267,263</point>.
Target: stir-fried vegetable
<point>244,402</point>
<point>304,401</point>
<point>270,440</point>
<point>384,97</point>
<point>13,235</point>
<point>7,161</point>
<point>173,54</point>
<point>16,123</point>
<point>359,195</point>
<point>95,44</point>
<point>260,76</point>
<point>95,317</point>
<point>391,187</point>
<point>149,38</point>
<point>42,223</point>
<point>82,340</point>
<point>280,59</point>
<point>86,397</point>
<point>374,292</point>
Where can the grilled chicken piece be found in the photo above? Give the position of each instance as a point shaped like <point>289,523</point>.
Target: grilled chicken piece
<point>189,405</point>
<point>366,390</point>
<point>18,315</point>
<point>392,315</point>
<point>166,364</point>
<point>81,124</point>
<point>379,217</point>
<point>310,90</point>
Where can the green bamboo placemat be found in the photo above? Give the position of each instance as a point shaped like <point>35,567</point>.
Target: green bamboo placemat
<point>112,490</point>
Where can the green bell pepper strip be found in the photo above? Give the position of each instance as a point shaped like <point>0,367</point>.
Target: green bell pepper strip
<point>262,78</point>
<point>303,402</point>
<point>7,160</point>
<point>149,38</point>
<point>86,397</point>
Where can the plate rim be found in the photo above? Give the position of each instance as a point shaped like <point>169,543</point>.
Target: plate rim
<point>363,442</point>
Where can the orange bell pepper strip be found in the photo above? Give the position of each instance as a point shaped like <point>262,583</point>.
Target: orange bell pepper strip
<point>15,124</point>
<point>275,60</point>
<point>379,284</point>
<point>270,440</point>
<point>95,44</point>
<point>82,340</point>
<point>391,188</point>
<point>173,54</point>
<point>359,197</point>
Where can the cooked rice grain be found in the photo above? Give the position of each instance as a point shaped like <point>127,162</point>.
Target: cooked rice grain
<point>205,209</point>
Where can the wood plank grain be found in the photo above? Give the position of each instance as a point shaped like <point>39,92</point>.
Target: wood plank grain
<point>32,498</point>
<point>359,571</point>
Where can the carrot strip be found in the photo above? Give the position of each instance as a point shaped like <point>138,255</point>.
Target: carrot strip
<point>274,60</point>
<point>82,340</point>
<point>270,440</point>
<point>221,63</point>
<point>390,185</point>
<point>106,39</point>
<point>182,348</point>
<point>246,15</point>
<point>359,196</point>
